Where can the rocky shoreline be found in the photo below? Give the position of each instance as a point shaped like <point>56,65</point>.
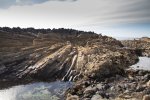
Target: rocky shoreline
<point>135,85</point>
<point>63,54</point>
<point>141,46</point>
<point>97,64</point>
<point>132,84</point>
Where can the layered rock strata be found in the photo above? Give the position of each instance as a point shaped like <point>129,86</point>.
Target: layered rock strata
<point>63,54</point>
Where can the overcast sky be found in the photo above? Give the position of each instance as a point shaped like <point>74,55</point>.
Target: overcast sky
<point>118,18</point>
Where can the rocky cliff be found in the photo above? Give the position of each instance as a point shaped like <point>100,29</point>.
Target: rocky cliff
<point>64,54</point>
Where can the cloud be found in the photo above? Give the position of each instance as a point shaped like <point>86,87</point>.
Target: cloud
<point>9,3</point>
<point>86,12</point>
<point>120,12</point>
<point>92,15</point>
<point>6,3</point>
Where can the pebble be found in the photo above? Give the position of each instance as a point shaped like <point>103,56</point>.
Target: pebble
<point>140,73</point>
<point>106,86</point>
<point>126,91</point>
<point>137,66</point>
<point>96,97</point>
<point>87,99</point>
<point>72,97</point>
<point>104,95</point>
<point>146,77</point>
<point>148,83</point>
<point>112,88</point>
<point>99,86</point>
<point>89,91</point>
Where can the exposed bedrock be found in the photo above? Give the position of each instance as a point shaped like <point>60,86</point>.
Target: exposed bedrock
<point>140,46</point>
<point>62,54</point>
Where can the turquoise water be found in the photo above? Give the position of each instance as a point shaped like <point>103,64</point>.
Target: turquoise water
<point>36,91</point>
<point>144,63</point>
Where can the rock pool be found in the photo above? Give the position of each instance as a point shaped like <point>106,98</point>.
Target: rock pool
<point>144,63</point>
<point>36,91</point>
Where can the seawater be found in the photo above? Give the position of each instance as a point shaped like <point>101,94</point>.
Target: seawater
<point>36,91</point>
<point>144,64</point>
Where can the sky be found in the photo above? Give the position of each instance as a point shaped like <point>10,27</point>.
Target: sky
<point>117,18</point>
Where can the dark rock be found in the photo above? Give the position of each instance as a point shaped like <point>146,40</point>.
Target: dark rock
<point>146,77</point>
<point>106,86</point>
<point>140,88</point>
<point>104,95</point>
<point>138,66</point>
<point>147,90</point>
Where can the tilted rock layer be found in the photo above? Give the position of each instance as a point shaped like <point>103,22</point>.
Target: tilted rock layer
<point>63,54</point>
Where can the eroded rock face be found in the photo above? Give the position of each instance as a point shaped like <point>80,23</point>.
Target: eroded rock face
<point>141,46</point>
<point>60,54</point>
